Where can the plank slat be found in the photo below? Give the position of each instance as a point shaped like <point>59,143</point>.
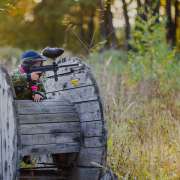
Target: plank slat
<point>61,101</point>
<point>8,130</point>
<point>50,138</point>
<point>49,128</point>
<point>87,107</point>
<point>94,141</point>
<point>81,173</point>
<point>78,94</point>
<point>90,116</point>
<point>50,149</point>
<point>43,108</point>
<point>48,118</point>
<point>65,82</point>
<point>93,128</point>
<point>89,155</point>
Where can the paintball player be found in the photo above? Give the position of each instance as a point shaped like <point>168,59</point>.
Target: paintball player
<point>28,85</point>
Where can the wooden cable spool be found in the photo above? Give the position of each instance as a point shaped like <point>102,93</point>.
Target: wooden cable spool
<point>70,122</point>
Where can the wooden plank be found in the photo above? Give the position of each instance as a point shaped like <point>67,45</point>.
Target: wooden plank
<point>87,156</point>
<point>50,149</point>
<point>46,128</point>
<point>61,101</point>
<point>8,130</point>
<point>41,178</point>
<point>93,128</point>
<point>82,94</point>
<point>95,141</point>
<point>43,108</point>
<point>77,95</point>
<point>48,118</point>
<point>89,111</point>
<point>90,116</point>
<point>89,107</point>
<point>81,173</point>
<point>1,95</point>
<point>49,138</point>
<point>66,82</point>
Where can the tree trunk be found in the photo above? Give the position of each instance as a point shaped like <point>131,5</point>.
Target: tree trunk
<point>170,24</point>
<point>127,23</point>
<point>140,9</point>
<point>156,10</point>
<point>177,16</point>
<point>106,24</point>
<point>139,3</point>
<point>102,23</point>
<point>110,31</point>
<point>81,33</point>
<point>91,29</point>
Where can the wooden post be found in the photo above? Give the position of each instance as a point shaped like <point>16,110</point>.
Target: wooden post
<point>8,130</point>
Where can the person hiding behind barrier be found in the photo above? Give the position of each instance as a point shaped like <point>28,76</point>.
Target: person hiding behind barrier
<point>28,85</point>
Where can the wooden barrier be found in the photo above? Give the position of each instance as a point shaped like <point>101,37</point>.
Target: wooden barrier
<point>47,127</point>
<point>70,121</point>
<point>80,88</point>
<point>8,129</point>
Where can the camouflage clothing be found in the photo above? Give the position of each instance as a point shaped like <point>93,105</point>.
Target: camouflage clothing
<point>25,88</point>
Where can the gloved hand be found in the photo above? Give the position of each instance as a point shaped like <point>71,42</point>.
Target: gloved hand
<point>37,97</point>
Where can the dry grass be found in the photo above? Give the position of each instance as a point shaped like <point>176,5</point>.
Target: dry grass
<point>144,128</point>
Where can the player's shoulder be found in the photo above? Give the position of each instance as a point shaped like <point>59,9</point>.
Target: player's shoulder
<point>17,76</point>
<point>15,73</point>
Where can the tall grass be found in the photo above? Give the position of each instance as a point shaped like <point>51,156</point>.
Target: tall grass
<point>142,109</point>
<point>144,127</point>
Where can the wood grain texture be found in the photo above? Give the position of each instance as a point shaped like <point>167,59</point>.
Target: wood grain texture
<point>50,149</point>
<point>51,128</point>
<point>48,118</point>
<point>89,155</point>
<point>89,111</point>
<point>8,130</point>
<point>43,107</point>
<point>65,82</point>
<point>55,138</point>
<point>92,128</point>
<point>94,142</point>
<point>80,173</point>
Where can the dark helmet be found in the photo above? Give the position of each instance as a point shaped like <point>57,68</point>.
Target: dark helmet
<point>30,57</point>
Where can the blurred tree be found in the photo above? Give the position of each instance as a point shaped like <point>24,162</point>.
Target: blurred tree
<point>143,8</point>
<point>177,23</point>
<point>170,23</point>
<point>127,23</point>
<point>80,23</point>
<point>106,24</point>
<point>101,20</point>
<point>110,30</point>
<point>77,25</point>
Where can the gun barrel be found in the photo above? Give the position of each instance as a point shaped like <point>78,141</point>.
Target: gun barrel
<point>43,68</point>
<point>54,67</point>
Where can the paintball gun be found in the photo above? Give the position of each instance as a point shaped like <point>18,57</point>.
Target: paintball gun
<point>51,53</point>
